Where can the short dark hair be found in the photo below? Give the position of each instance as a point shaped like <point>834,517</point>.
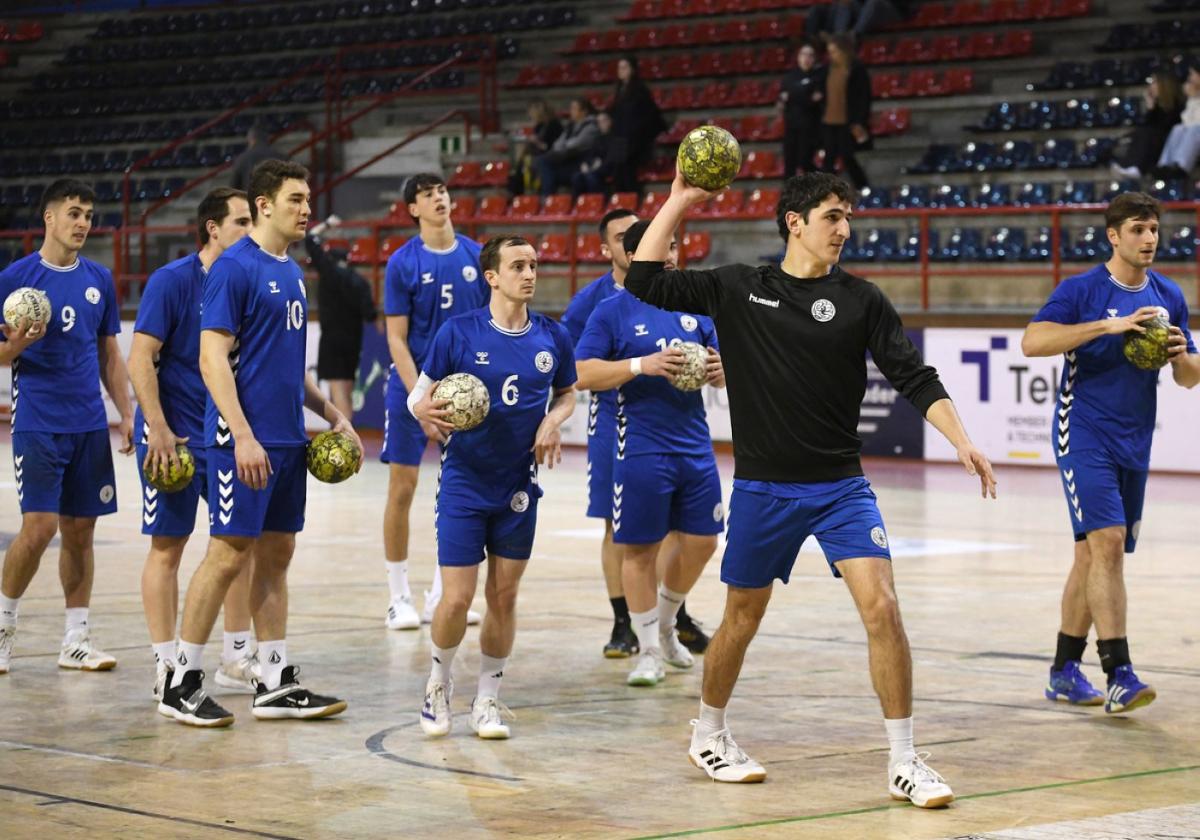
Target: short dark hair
<point>801,193</point>
<point>634,234</point>
<point>66,188</point>
<point>612,216</point>
<point>214,207</point>
<point>268,177</point>
<point>489,257</point>
<point>420,183</point>
<point>1131,205</point>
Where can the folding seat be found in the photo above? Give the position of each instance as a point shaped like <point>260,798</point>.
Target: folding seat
<point>880,84</point>
<point>738,31</point>
<point>704,8</point>
<point>1078,192</point>
<point>530,76</point>
<point>492,207</point>
<point>992,195</point>
<point>926,83</point>
<point>761,203</point>
<point>675,8</point>
<point>696,245</point>
<point>911,197</point>
<point>586,42</point>
<point>874,198</point>
<point>758,164</point>
<point>726,204</point>
<point>874,52</point>
<point>754,127</point>
<point>967,13</point>
<point>1054,154</point>
<point>651,202</point>
<point>110,221</point>
<point>959,80</point>
<point>705,34</point>
<point>951,195</point>
<point>524,206</point>
<point>595,72</point>
<point>900,86</point>
<point>928,15</point>
<point>1095,150</point>
<point>910,51</point>
<point>364,251</point>
<point>494,174</point>
<point>1073,8</point>
<point>707,64</point>
<point>980,45</point>
<point>623,201</point>
<point>937,158</point>
<point>642,10</point>
<point>557,205</point>
<point>774,60</point>
<point>148,189</point>
<point>947,48</point>
<point>1006,11</point>
<point>675,35</point>
<point>390,245</point>
<point>587,248</point>
<point>462,207</point>
<point>1016,42</point>
<point>589,206</point>
<point>646,38</point>
<point>11,196</point>
<point>744,92</point>
<point>553,248</point>
<point>1181,245</point>
<point>1033,193</point>
<point>1005,244</point>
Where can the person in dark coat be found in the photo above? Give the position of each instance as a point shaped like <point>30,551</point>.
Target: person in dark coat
<point>637,122</point>
<point>846,120</point>
<point>258,149</point>
<point>556,167</point>
<point>546,129</point>
<point>800,98</point>
<point>595,171</point>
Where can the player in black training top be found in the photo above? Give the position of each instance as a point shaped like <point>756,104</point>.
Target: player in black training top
<point>794,339</point>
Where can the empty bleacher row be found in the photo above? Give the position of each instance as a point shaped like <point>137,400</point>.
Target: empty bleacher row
<point>105,133</point>
<point>928,15</point>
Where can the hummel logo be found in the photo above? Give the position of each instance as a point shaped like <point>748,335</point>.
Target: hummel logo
<point>774,304</point>
<point>427,277</point>
<point>274,287</point>
<point>481,358</point>
<point>640,329</point>
<point>1112,313</point>
<point>239,644</point>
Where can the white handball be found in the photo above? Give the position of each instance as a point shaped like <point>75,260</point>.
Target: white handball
<point>27,308</point>
<point>695,367</point>
<point>468,400</point>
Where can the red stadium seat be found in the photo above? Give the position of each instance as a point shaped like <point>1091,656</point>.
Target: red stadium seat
<point>704,8</point>
<point>587,248</point>
<point>928,15</point>
<point>554,248</point>
<point>761,203</point>
<point>586,42</point>
<point>466,174</point>
<point>1039,10</point>
<point>524,206</point>
<point>967,13</point>
<point>874,52</point>
<point>623,201</point>
<point>337,244</point>
<point>557,205</point>
<point>696,245</point>
<point>494,174</point>
<point>650,204</point>
<point>675,35</point>
<point>463,207</point>
<point>642,10</point>
<point>493,207</point>
<point>364,251</point>
<point>1017,42</point>
<point>727,203</point>
<point>390,245</point>
<point>925,83</point>
<point>530,76</point>
<point>1074,8</point>
<point>589,206</point>
<point>755,127</point>
<point>948,48</point>
<point>762,165</point>
<point>959,80</point>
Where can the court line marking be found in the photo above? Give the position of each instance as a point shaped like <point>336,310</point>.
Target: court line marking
<point>108,759</point>
<point>59,799</point>
<point>374,745</point>
<point>880,808</point>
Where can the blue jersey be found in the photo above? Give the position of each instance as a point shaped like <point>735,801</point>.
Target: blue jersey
<point>56,380</point>
<point>261,300</point>
<point>653,416</point>
<point>602,414</point>
<point>1105,402</point>
<point>170,312</point>
<point>521,370</point>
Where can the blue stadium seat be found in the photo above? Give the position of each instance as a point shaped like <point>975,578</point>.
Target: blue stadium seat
<point>1181,245</point>
<point>874,198</point>
<point>951,195</point>
<point>909,196</point>
<point>992,195</point>
<point>1039,249</point>
<point>1036,192</point>
<point>1005,244</point>
<point>1077,192</point>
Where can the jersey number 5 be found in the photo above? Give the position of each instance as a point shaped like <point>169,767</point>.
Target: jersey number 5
<point>447,295</point>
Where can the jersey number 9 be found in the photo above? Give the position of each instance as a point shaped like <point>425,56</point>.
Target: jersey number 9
<point>68,318</point>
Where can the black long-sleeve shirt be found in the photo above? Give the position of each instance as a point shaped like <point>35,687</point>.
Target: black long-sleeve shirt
<point>794,352</point>
<point>343,298</point>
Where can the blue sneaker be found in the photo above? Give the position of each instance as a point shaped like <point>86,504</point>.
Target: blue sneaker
<point>1126,692</point>
<point>1070,686</point>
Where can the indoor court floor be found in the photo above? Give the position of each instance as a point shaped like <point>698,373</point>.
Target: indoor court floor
<point>86,755</point>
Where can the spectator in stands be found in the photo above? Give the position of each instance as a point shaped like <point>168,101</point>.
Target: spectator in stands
<point>1164,106</point>
<point>836,18</point>
<point>1179,154</point>
<point>637,122</point>
<point>847,115</point>
<point>345,303</point>
<point>596,171</point>
<point>258,149</point>
<point>555,167</point>
<point>800,97</point>
<point>546,129</point>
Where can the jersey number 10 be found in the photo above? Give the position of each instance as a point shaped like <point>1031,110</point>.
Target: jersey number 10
<point>295,315</point>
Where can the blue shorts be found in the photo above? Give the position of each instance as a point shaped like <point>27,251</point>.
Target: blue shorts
<point>172,514</point>
<point>466,532</point>
<point>601,453</point>
<point>68,473</point>
<point>769,521</point>
<point>655,494</point>
<point>1101,493</point>
<point>404,440</point>
<point>234,510</point>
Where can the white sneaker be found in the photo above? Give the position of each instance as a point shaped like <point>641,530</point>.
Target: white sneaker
<point>431,605</point>
<point>674,652</point>
<point>487,714</point>
<point>80,654</point>
<point>649,669</point>
<point>722,759</point>
<point>7,636</point>
<point>435,711</point>
<point>161,675</point>
<point>402,615</point>
<point>919,783</point>
<point>241,675</point>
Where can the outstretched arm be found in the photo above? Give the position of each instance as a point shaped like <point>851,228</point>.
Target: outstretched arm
<point>945,419</point>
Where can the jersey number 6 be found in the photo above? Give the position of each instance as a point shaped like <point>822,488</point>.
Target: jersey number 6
<point>509,392</point>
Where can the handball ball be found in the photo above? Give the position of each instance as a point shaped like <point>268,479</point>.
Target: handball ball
<point>27,308</point>
<point>709,157</point>
<point>1148,350</point>
<point>469,401</point>
<point>333,457</point>
<point>173,477</point>
<point>695,367</point>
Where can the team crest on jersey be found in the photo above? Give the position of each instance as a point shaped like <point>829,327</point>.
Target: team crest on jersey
<point>469,273</point>
<point>640,329</point>
<point>520,501</point>
<point>688,323</point>
<point>481,357</point>
<point>823,310</point>
<point>718,512</point>
<point>879,537</point>
<point>543,362</point>
<point>106,493</point>
<point>92,294</point>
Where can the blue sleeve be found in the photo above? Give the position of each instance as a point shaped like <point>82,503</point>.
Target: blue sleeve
<point>597,341</point>
<point>575,319</point>
<point>154,309</point>
<point>1180,318</point>
<point>224,300</point>
<point>709,333</point>
<point>565,376</point>
<point>1062,306</point>
<point>439,361</point>
<point>397,288</point>
<point>111,318</point>
<point>8,284</point>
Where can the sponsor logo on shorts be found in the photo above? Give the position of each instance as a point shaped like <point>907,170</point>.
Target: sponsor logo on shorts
<point>823,310</point>
<point>520,501</point>
<point>688,323</point>
<point>92,294</point>
<point>106,493</point>
<point>1135,530</point>
<point>469,273</point>
<point>543,362</point>
<point>718,512</point>
<point>879,537</point>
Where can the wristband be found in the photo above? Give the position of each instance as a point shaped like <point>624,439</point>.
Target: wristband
<point>635,366</point>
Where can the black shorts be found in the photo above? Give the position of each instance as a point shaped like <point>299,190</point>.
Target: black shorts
<point>338,361</point>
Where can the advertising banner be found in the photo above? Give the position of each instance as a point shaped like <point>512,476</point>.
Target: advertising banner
<point>888,424</point>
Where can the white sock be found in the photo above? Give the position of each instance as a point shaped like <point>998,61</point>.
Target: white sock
<point>76,619</point>
<point>645,625</point>
<point>435,594</point>
<point>711,720</point>
<point>668,607</point>
<point>442,658</point>
<point>900,739</point>
<point>188,659</point>
<point>8,611</point>
<point>164,655</point>
<point>397,575</point>
<point>237,645</point>
<point>272,656</point>
<point>491,671</point>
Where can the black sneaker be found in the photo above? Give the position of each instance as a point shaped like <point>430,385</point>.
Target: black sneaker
<point>690,634</point>
<point>623,643</point>
<point>292,701</point>
<point>189,703</point>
